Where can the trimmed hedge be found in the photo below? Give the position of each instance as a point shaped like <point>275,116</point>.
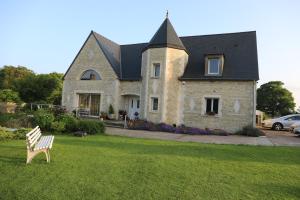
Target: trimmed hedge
<point>91,127</point>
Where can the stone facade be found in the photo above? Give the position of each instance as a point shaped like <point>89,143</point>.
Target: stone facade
<point>180,102</point>
<point>91,57</point>
<point>236,107</point>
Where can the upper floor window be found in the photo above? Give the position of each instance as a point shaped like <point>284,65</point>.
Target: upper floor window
<point>156,70</point>
<point>90,75</point>
<point>214,65</point>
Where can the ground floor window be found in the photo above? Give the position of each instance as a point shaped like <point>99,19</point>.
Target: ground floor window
<point>154,103</point>
<point>212,106</point>
<point>89,104</point>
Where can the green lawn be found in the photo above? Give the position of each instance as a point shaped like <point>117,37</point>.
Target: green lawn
<point>109,167</point>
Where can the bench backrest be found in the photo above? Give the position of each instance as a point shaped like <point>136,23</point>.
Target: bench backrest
<point>32,137</point>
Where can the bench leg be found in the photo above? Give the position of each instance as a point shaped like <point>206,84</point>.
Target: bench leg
<point>47,152</point>
<point>32,154</point>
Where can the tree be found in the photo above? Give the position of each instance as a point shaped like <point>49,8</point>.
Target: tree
<point>56,95</point>
<point>38,88</point>
<point>10,74</point>
<point>274,99</point>
<point>8,95</point>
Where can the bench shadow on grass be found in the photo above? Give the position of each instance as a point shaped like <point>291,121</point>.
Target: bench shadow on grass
<point>12,160</point>
<point>240,153</point>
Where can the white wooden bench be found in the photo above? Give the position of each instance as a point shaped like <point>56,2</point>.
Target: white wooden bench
<point>36,143</point>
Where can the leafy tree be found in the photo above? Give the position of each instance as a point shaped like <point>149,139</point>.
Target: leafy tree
<point>274,99</point>
<point>56,95</point>
<point>38,88</point>
<point>10,74</point>
<point>8,95</point>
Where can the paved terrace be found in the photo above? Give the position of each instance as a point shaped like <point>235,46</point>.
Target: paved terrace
<point>272,138</point>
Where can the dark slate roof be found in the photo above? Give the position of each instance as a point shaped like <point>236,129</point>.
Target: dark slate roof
<point>166,36</point>
<point>239,50</point>
<point>131,60</point>
<point>111,50</point>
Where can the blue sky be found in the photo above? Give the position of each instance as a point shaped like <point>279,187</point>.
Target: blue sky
<point>46,35</point>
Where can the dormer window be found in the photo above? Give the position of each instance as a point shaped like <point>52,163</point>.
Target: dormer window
<point>214,65</point>
<point>90,75</point>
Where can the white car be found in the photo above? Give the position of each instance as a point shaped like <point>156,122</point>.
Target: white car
<point>281,123</point>
<point>297,131</point>
<point>295,128</point>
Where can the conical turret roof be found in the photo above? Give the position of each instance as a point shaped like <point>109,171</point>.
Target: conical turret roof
<point>166,36</point>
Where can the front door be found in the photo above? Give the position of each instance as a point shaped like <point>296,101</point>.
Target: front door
<point>134,108</point>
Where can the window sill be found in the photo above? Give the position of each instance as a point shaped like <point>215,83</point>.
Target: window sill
<point>216,115</point>
<point>153,77</point>
<point>213,75</point>
<point>154,111</point>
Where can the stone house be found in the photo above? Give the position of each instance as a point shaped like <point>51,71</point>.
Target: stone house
<point>205,81</point>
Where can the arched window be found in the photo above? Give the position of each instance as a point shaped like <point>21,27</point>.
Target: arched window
<point>90,75</point>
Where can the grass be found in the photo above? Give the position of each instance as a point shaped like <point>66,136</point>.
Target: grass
<point>111,167</point>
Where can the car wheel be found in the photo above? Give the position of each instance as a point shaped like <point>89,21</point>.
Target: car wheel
<point>277,127</point>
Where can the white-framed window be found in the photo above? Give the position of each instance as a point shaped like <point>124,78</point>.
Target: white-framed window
<point>214,65</point>
<point>154,104</point>
<point>90,75</point>
<point>156,70</point>
<point>212,106</point>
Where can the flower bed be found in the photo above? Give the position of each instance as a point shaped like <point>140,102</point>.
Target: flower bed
<point>150,126</point>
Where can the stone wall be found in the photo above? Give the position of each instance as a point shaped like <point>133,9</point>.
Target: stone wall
<point>236,108</point>
<point>152,87</point>
<point>127,90</point>
<point>176,61</point>
<point>91,57</point>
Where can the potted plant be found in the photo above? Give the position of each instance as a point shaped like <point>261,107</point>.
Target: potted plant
<point>103,116</point>
<point>111,112</point>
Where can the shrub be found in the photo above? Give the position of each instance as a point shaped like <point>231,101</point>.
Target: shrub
<point>91,126</point>
<point>58,110</point>
<point>18,120</point>
<point>218,132</point>
<point>58,126</point>
<point>8,95</point>
<point>21,133</point>
<point>190,130</point>
<point>43,119</point>
<point>71,123</point>
<point>251,131</point>
<point>6,135</point>
<point>166,128</point>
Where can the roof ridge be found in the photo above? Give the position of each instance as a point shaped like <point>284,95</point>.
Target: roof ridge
<point>105,38</point>
<point>218,34</point>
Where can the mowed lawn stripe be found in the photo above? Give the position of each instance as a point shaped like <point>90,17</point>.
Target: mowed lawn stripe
<point>112,167</point>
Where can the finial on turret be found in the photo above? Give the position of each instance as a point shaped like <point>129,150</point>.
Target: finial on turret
<point>167,14</point>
